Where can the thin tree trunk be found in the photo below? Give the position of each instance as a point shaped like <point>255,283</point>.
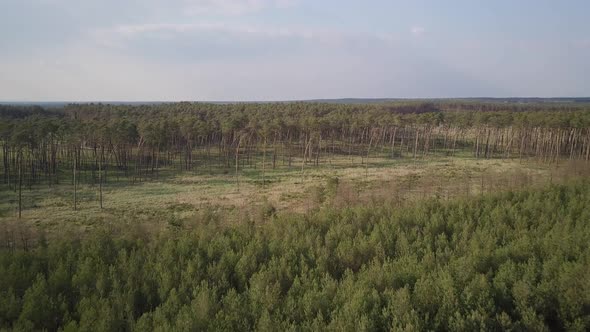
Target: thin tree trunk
<point>393,143</point>
<point>367,161</point>
<point>100,177</point>
<point>75,180</point>
<point>238,163</point>
<point>416,143</point>
<point>20,185</point>
<point>263,161</point>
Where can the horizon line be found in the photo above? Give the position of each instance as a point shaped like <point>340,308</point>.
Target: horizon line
<point>34,102</point>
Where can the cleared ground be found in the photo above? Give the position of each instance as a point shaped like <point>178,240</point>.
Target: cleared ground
<point>176,200</point>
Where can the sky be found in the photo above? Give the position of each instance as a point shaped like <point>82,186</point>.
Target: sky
<point>255,50</point>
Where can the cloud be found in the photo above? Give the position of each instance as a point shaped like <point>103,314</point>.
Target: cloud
<point>232,7</point>
<point>246,64</point>
<point>219,39</point>
<point>131,31</point>
<point>261,49</point>
<point>418,30</point>
<point>582,43</point>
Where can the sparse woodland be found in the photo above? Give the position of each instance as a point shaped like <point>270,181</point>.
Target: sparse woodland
<point>135,142</point>
<point>506,260</point>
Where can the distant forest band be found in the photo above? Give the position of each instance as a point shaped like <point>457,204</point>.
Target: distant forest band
<point>90,143</point>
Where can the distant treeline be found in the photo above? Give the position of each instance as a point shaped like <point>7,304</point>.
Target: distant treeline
<point>39,144</point>
<point>510,262</point>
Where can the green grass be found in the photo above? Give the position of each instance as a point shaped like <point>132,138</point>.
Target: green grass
<point>181,196</point>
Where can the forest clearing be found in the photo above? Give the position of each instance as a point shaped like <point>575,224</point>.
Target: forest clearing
<point>296,216</point>
<point>183,197</point>
<point>294,165</point>
<point>79,166</point>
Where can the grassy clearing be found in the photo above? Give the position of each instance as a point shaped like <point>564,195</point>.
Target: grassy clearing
<point>172,200</point>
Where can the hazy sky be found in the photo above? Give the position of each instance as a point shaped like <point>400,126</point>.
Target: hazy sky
<point>82,50</point>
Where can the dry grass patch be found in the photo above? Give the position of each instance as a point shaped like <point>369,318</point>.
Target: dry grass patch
<point>182,198</point>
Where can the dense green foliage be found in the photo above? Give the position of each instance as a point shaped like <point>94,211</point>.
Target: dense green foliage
<point>334,116</point>
<point>516,261</point>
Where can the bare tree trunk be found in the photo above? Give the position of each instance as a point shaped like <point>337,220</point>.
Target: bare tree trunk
<point>6,164</point>
<point>100,176</point>
<point>75,180</point>
<point>20,185</point>
<point>367,161</point>
<point>274,152</point>
<point>487,150</point>
<point>477,145</point>
<point>306,144</point>
<point>401,144</point>
<point>509,145</point>
<point>416,143</point>
<point>520,150</point>
<point>263,161</point>
<point>317,158</point>
<point>454,142</point>
<point>238,163</point>
<point>393,143</point>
